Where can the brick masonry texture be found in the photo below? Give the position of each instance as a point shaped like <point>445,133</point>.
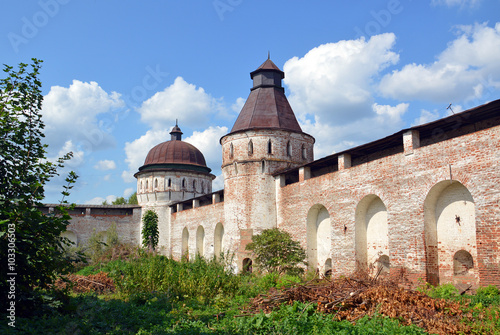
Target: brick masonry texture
<point>426,200</point>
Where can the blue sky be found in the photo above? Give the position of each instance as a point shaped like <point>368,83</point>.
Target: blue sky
<point>117,74</point>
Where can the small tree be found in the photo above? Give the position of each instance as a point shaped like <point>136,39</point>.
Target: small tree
<point>31,247</point>
<point>132,200</point>
<point>276,251</point>
<point>150,229</point>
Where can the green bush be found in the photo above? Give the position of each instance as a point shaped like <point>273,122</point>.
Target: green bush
<point>150,229</point>
<point>276,251</point>
<point>200,279</point>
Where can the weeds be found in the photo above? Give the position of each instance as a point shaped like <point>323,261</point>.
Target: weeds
<point>160,296</point>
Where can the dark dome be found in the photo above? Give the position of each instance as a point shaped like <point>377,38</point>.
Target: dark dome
<point>175,152</point>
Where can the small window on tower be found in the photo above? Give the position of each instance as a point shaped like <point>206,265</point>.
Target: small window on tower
<point>169,183</point>
<point>269,147</point>
<point>250,148</point>
<point>288,149</point>
<point>156,183</point>
<point>146,184</point>
<point>231,150</point>
<point>194,185</point>
<point>183,183</point>
<point>304,152</point>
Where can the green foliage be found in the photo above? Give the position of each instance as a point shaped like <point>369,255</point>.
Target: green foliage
<point>104,246</point>
<point>201,279</point>
<point>162,296</point>
<point>156,313</point>
<point>34,238</point>
<point>445,291</point>
<point>276,251</point>
<point>114,268</point>
<point>96,245</point>
<point>150,229</point>
<point>489,291</point>
<point>132,200</point>
<point>486,296</point>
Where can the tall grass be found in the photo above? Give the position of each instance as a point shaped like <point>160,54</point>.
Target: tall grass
<point>200,279</point>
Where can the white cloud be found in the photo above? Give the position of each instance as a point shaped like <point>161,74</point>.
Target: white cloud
<point>426,117</point>
<point>78,155</point>
<point>182,101</point>
<point>333,81</point>
<point>137,150</point>
<point>128,192</point>
<point>331,92</point>
<point>393,112</point>
<point>71,114</point>
<point>238,105</point>
<point>104,165</point>
<point>99,200</point>
<point>207,142</point>
<point>459,3</point>
<point>383,121</point>
<point>218,183</point>
<point>463,71</point>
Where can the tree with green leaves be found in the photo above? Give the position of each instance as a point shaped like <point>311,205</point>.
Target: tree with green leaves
<point>31,247</point>
<point>132,200</point>
<point>150,229</point>
<point>276,251</point>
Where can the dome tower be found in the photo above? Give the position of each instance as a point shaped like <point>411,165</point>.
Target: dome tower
<point>173,171</point>
<point>265,139</point>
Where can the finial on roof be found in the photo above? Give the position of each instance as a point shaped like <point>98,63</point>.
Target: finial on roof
<point>268,54</point>
<point>176,133</point>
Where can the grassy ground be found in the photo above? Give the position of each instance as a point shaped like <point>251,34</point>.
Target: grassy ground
<point>155,295</point>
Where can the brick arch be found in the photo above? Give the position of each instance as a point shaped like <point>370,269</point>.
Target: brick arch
<point>450,226</point>
<point>185,244</point>
<point>371,232</point>
<point>218,239</point>
<point>200,241</point>
<point>319,240</point>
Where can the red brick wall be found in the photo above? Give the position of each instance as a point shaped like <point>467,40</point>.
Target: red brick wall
<point>402,181</point>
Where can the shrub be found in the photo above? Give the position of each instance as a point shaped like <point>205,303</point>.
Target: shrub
<point>276,251</point>
<point>150,229</point>
<point>201,279</point>
<point>31,242</point>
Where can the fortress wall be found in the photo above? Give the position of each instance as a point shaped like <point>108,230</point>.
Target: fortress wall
<point>403,182</point>
<point>88,219</point>
<point>191,219</point>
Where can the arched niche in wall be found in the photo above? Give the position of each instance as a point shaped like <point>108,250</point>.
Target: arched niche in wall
<point>185,244</point>
<point>247,265</point>
<point>218,236</point>
<point>319,240</point>
<point>288,149</point>
<point>328,268</point>
<point>200,241</point>
<point>450,227</point>
<point>371,233</point>
<point>250,148</point>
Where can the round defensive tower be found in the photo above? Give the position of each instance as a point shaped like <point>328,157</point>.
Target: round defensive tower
<point>173,171</point>
<point>265,139</point>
